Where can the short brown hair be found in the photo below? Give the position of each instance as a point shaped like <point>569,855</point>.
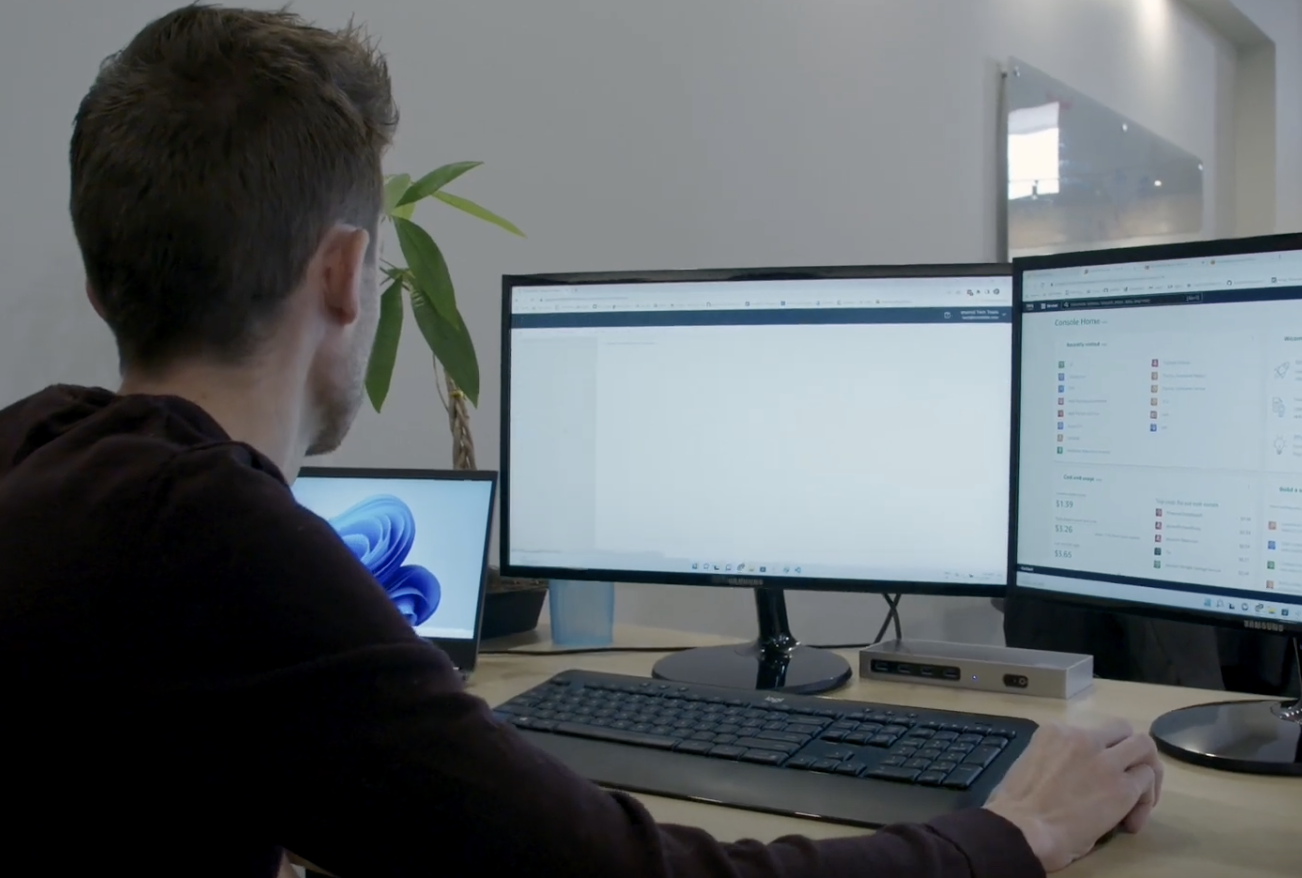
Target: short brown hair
<point>209,159</point>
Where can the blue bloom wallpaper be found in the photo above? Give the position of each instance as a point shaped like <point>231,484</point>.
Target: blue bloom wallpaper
<point>421,539</point>
<point>380,531</point>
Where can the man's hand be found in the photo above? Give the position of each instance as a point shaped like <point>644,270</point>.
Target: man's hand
<point>1073,786</point>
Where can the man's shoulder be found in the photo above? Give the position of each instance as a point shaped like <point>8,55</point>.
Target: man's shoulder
<point>80,449</point>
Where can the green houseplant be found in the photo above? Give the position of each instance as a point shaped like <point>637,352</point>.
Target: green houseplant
<point>424,285</point>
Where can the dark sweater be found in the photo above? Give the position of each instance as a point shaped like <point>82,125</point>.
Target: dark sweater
<point>196,673</point>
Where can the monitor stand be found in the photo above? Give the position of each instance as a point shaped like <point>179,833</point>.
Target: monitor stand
<point>774,662</point>
<point>1251,737</point>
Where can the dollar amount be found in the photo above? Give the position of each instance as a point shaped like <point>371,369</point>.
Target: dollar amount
<point>1064,528</point>
<point>1062,553</point>
<point>1065,504</point>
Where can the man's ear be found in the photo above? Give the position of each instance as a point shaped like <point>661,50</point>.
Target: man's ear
<point>342,266</point>
<point>95,302</point>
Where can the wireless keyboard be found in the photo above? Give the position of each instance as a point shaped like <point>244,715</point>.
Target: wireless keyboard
<point>842,761</point>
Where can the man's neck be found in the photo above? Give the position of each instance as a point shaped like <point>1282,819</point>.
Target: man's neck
<point>253,406</point>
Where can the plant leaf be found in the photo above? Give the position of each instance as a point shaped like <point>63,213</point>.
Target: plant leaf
<point>434,181</point>
<point>450,342</point>
<point>384,353</point>
<point>428,268</point>
<point>394,188</point>
<point>465,204</point>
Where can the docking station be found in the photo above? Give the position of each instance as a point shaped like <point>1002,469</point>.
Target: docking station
<point>973,666</point>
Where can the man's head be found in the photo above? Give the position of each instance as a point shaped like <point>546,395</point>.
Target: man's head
<point>226,193</point>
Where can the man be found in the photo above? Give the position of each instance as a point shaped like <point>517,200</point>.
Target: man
<point>197,675</point>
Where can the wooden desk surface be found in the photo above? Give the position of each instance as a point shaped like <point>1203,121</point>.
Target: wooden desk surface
<point>1209,823</point>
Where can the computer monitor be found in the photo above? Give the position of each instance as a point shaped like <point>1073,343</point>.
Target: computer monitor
<point>813,429</point>
<point>1159,454</point>
<point>423,535</point>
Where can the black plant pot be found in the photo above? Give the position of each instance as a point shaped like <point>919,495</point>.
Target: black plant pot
<point>512,606</point>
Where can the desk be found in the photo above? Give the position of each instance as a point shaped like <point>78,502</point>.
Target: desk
<point>1209,823</point>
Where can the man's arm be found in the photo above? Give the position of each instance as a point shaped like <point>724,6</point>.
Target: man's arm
<point>357,748</point>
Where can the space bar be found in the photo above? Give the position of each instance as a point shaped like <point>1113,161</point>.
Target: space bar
<point>618,736</point>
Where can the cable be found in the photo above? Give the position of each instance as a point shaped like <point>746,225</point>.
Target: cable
<point>892,619</point>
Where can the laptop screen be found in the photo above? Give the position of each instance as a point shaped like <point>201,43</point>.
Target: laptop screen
<point>423,536</point>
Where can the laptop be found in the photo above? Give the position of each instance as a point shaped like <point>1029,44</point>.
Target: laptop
<point>423,535</point>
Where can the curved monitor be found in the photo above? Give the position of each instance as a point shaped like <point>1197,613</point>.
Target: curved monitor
<point>1159,450</point>
<point>829,429</point>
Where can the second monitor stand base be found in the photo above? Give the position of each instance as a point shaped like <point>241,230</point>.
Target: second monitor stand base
<point>796,670</point>
<point>1253,737</point>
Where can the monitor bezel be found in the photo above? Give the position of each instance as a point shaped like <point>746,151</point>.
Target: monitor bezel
<point>464,653</point>
<point>1108,256</point>
<point>787,583</point>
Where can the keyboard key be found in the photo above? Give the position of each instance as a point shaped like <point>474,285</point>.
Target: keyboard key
<point>699,736</point>
<point>725,739</point>
<point>838,755</point>
<point>761,744</point>
<point>970,739</point>
<point>824,765</point>
<point>802,729</point>
<point>962,777</point>
<point>893,761</point>
<point>697,747</point>
<point>835,735</point>
<point>896,731</point>
<point>919,764</point>
<point>853,769</point>
<point>763,757</point>
<point>982,756</point>
<point>921,732</point>
<point>994,741</point>
<point>871,728</point>
<point>618,736</point>
<point>944,766</point>
<point>945,736</point>
<point>882,741</point>
<point>784,736</point>
<point>801,762</point>
<point>931,778</point>
<point>930,753</point>
<point>859,739</point>
<point>727,751</point>
<point>843,725</point>
<point>890,772</point>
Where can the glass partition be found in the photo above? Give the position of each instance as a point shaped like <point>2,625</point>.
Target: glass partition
<point>1081,175</point>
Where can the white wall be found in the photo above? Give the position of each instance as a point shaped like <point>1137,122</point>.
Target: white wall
<point>634,134</point>
<point>1281,21</point>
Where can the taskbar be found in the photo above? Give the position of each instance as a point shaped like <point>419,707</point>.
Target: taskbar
<point>755,569</point>
<point>1263,604</point>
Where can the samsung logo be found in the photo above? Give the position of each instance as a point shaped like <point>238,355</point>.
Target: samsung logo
<point>1262,626</point>
<point>738,580</point>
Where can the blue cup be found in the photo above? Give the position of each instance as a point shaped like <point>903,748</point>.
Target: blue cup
<point>583,613</point>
